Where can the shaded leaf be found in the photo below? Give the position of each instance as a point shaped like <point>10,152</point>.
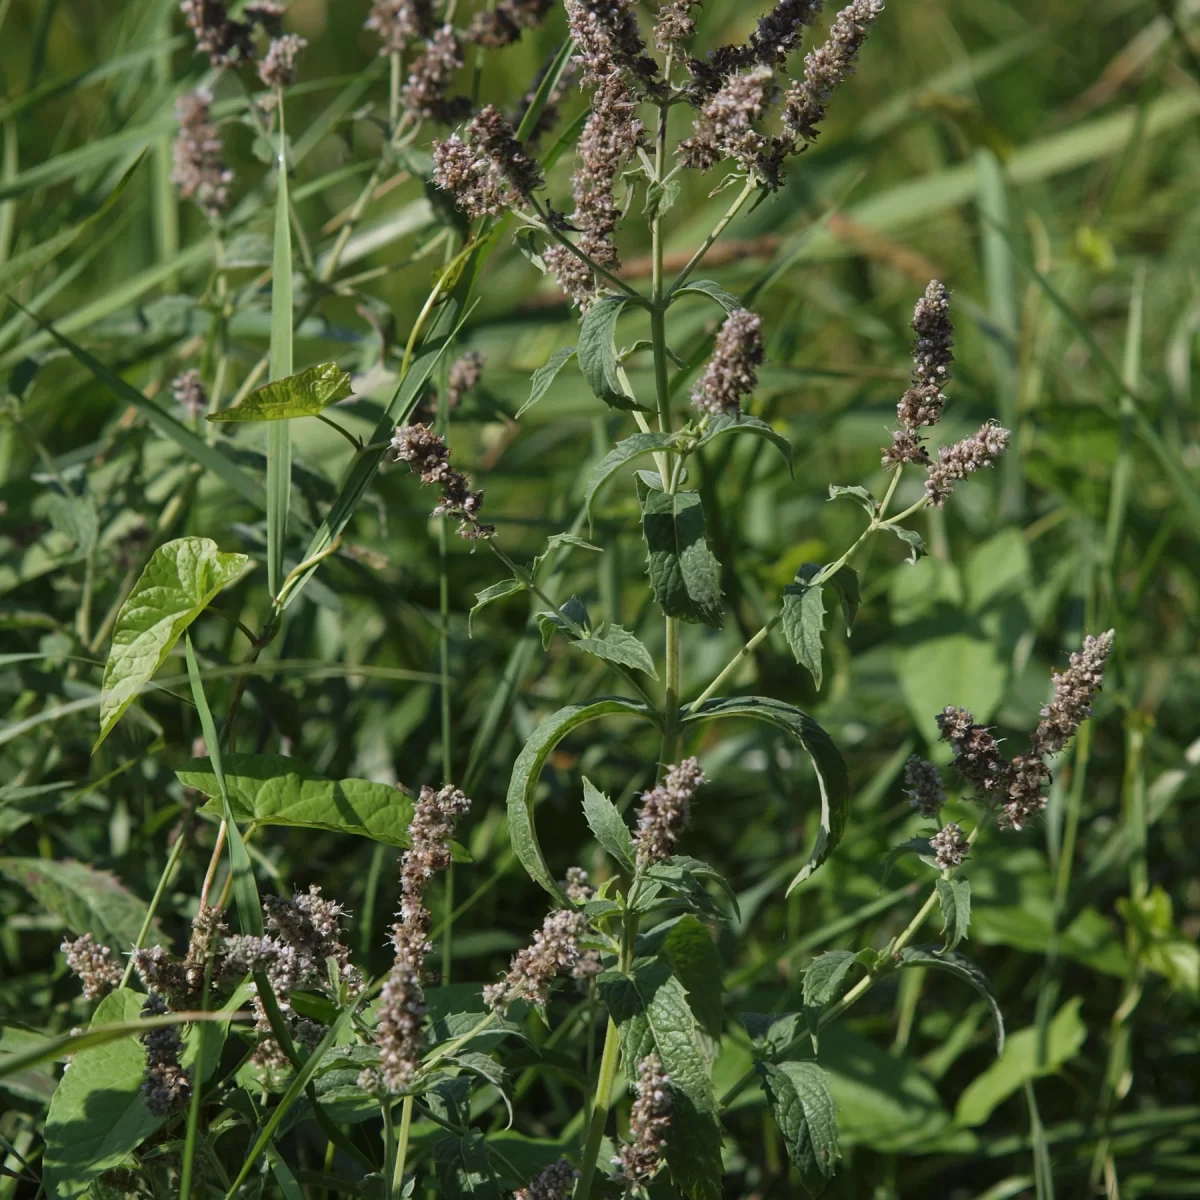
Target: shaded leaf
<point>496,591</point>
<point>607,825</point>
<point>623,452</point>
<point>685,576</point>
<point>954,897</point>
<point>598,355</point>
<point>824,975</point>
<point>743,423</point>
<point>803,614</point>
<point>961,968</point>
<point>845,580</point>
<point>304,394</point>
<point>803,1108</point>
<point>180,580</point>
<point>772,1033</point>
<point>692,954</point>
<point>868,502</point>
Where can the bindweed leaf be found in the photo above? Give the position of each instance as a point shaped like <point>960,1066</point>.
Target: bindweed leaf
<point>803,1108</point>
<point>954,897</point>
<point>598,354</point>
<point>304,394</point>
<point>685,576</point>
<point>543,378</point>
<point>180,580</point>
<point>607,825</point>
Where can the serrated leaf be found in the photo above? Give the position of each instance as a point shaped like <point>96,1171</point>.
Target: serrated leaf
<point>803,1108</point>
<point>84,899</point>
<point>276,790</point>
<point>961,968</point>
<point>496,591</point>
<point>623,452</point>
<point>598,353</point>
<point>832,778</point>
<point>660,198</point>
<point>685,576</point>
<point>845,581</point>
<point>304,394</point>
<point>954,897</point>
<point>803,614</point>
<point>527,770</point>
<point>543,378</point>
<point>714,291</point>
<point>690,951</point>
<point>912,538</point>
<point>743,423</point>
<point>96,1114</point>
<point>772,1033</point>
<point>651,1013</point>
<point>607,826</point>
<point>180,580</point>
<point>618,645</point>
<point>823,976</point>
<point>563,539</point>
<point>860,494</point>
<point>573,612</point>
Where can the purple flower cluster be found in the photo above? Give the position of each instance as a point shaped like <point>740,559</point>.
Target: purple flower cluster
<point>665,812</point>
<point>554,951</point>
<point>639,1159</point>
<point>429,457</point>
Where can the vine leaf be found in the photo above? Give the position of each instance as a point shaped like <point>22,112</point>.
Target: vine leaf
<point>651,1012</point>
<point>598,354</point>
<point>275,790</point>
<point>180,580</point>
<point>961,968</point>
<point>527,770</point>
<point>830,768</point>
<point>608,826</point>
<point>543,378</point>
<point>684,574</point>
<point>304,394</point>
<point>954,897</point>
<point>803,1108</point>
<point>623,452</point>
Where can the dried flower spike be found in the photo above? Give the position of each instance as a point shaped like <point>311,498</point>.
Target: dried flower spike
<point>93,964</point>
<point>465,373</point>
<point>278,68</point>
<point>949,846</point>
<point>556,1182</point>
<point>780,31</point>
<point>977,754</point>
<point>488,172</point>
<point>554,951</point>
<point>924,790</point>
<point>401,1038</point>
<point>226,42</point>
<point>826,67</point>
<point>732,372</point>
<point>725,126</point>
<point>955,463</point>
<point>428,456</point>
<point>167,1087</point>
<point>607,37</point>
<point>640,1158</point>
<point>200,172</point>
<point>426,93</point>
<point>665,812</point>
<point>505,23</point>
<point>398,22</point>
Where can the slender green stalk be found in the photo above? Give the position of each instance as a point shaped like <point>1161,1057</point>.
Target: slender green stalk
<point>397,1177</point>
<point>444,691</point>
<point>601,1104</point>
<point>747,191</point>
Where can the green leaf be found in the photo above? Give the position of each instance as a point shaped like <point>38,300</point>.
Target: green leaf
<point>954,896</point>
<point>868,502</point>
<point>301,395</point>
<point>803,616</point>
<point>652,1015</point>
<point>773,1034</point>
<point>845,581</point>
<point>961,968</point>
<point>1024,1059</point>
<point>832,778</point>
<point>543,378</point>
<point>527,770</point>
<point>690,951</point>
<point>914,541</point>
<point>616,644</point>
<point>823,976</point>
<point>562,539</point>
<point>746,424</point>
<point>96,1114</point>
<point>685,576</point>
<point>84,899</point>
<point>598,354</point>
<point>606,824</point>
<point>496,591</point>
<point>803,1108</point>
<point>180,580</point>
<point>919,846</point>
<point>623,452</point>
<point>714,291</point>
<point>275,790</point>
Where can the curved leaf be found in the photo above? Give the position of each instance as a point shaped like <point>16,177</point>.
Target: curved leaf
<point>823,976</point>
<point>543,378</point>
<point>685,576</point>
<point>304,394</point>
<point>804,1110</point>
<point>713,290</point>
<point>179,581</point>
<point>803,614</point>
<point>615,643</point>
<point>274,790</point>
<point>527,770</point>
<point>623,452</point>
<point>826,760</point>
<point>742,423</point>
<point>598,354</point>
<point>962,968</point>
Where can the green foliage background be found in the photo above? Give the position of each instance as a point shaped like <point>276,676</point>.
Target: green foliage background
<point>1039,158</point>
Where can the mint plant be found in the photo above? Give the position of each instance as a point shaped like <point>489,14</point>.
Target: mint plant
<point>267,1061</point>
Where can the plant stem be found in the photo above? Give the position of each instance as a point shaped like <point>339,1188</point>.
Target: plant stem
<point>707,244</point>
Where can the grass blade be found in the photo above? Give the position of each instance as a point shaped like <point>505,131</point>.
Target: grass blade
<point>279,436</point>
